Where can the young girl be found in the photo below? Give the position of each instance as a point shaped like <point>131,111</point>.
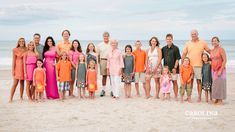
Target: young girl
<point>30,59</point>
<point>39,80</point>
<point>64,67</point>
<point>91,79</point>
<point>186,75</point>
<point>166,83</point>
<point>74,53</point>
<point>81,75</point>
<point>206,75</point>
<point>128,70</point>
<point>91,54</point>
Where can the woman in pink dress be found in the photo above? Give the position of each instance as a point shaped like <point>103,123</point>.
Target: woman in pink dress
<point>74,53</point>
<point>30,59</point>
<point>18,68</point>
<point>49,55</point>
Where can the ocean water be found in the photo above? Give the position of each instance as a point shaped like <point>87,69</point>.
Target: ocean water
<point>229,46</point>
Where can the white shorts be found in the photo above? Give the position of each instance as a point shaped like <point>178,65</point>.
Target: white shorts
<point>139,77</point>
<point>174,77</point>
<point>197,72</point>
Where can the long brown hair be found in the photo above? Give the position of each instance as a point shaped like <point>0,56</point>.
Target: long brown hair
<point>18,43</point>
<point>79,48</point>
<point>87,49</point>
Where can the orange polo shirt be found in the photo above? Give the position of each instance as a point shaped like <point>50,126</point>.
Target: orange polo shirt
<point>194,51</point>
<point>140,57</point>
<point>186,72</point>
<point>64,70</point>
<point>61,46</point>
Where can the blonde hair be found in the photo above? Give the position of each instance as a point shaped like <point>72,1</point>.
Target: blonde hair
<point>62,53</point>
<point>92,62</point>
<point>31,42</point>
<point>166,67</point>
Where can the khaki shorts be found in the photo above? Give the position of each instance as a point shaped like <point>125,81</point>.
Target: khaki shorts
<point>139,77</point>
<point>187,88</point>
<point>103,67</point>
<point>174,77</point>
<point>197,72</point>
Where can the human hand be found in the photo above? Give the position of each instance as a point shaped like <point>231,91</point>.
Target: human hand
<point>173,71</point>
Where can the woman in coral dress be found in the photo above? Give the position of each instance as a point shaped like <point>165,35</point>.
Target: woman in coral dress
<point>49,55</point>
<point>18,68</point>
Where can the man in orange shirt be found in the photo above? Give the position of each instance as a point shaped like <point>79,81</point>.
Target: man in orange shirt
<point>140,58</point>
<point>65,44</point>
<point>193,50</point>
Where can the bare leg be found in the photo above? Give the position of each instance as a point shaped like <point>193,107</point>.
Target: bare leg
<point>163,96</point>
<point>189,99</point>
<point>137,89</point>
<point>175,87</point>
<point>129,90</point>
<point>83,93</point>
<point>125,90</point>
<point>61,95</point>
<point>157,83</point>
<point>147,88</point>
<point>28,90</point>
<point>71,88</point>
<point>182,99</point>
<point>199,89</point>
<point>32,90</point>
<point>168,96</point>
<point>79,93</point>
<point>206,94</point>
<point>144,86</point>
<point>210,95</point>
<point>13,89</point>
<point>21,89</point>
<point>36,96</point>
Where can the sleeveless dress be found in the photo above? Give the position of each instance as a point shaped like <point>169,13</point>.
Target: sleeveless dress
<point>91,57</point>
<point>152,62</point>
<point>49,64</point>
<point>206,77</point>
<point>128,69</point>
<point>30,66</point>
<point>19,64</point>
<point>219,82</point>
<point>39,80</point>
<point>75,56</point>
<point>92,80</point>
<point>166,84</point>
<point>81,75</point>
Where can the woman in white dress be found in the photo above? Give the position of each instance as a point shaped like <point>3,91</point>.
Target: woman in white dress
<point>153,66</point>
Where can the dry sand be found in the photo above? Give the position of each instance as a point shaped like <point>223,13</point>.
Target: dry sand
<point>110,115</point>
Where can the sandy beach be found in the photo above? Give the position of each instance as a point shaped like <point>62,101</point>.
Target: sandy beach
<point>107,114</point>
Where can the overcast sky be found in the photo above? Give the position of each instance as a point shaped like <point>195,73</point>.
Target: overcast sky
<point>124,19</point>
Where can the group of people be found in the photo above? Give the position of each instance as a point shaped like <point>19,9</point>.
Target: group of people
<point>58,68</point>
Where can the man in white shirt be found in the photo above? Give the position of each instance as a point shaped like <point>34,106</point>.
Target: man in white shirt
<point>103,50</point>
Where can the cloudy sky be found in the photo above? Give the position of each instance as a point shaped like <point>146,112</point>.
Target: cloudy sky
<point>124,19</point>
